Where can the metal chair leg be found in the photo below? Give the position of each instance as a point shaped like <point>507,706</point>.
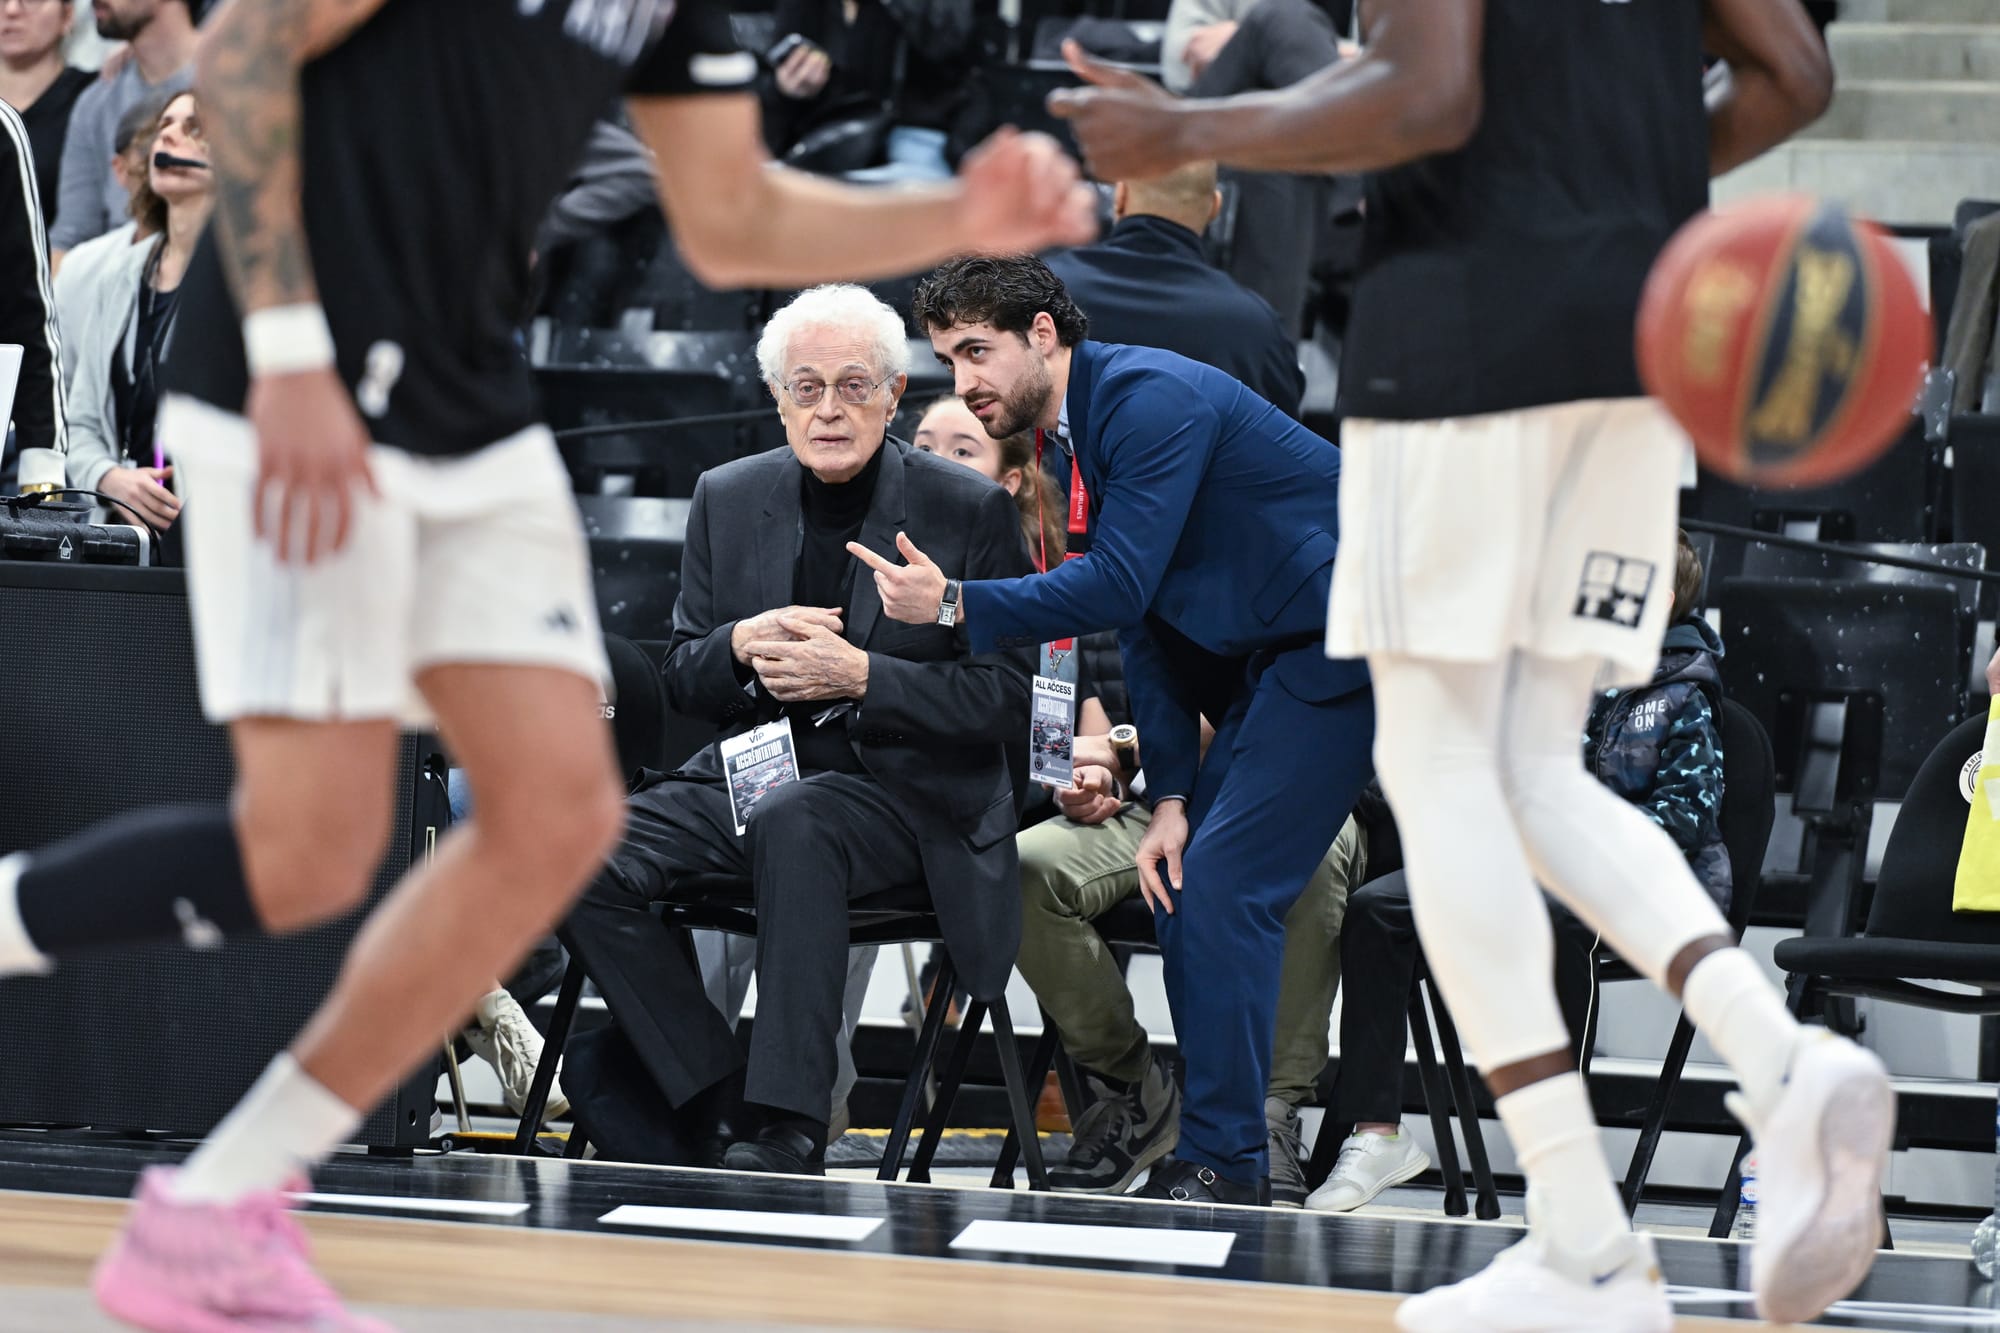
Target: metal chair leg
<point>456,1077</point>
<point>560,1022</point>
<point>1657,1110</point>
<point>1724,1220</point>
<point>920,1068</point>
<point>1018,1100</point>
<point>1455,1204</point>
<point>1486,1201</point>
<point>947,1093</point>
<point>1046,1050</point>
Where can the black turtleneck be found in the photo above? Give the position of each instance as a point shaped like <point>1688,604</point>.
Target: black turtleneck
<point>831,515</point>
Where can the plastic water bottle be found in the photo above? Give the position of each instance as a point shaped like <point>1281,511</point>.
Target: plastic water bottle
<point>1746,1200</point>
<point>1986,1239</point>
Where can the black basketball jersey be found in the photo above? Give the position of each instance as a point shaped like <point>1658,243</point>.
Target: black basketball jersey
<point>433,141</point>
<point>1506,275</point>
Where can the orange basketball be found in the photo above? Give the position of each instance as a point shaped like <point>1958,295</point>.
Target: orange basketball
<point>1787,338</point>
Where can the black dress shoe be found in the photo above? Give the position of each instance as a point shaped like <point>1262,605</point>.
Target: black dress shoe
<point>1190,1182</point>
<point>777,1150</point>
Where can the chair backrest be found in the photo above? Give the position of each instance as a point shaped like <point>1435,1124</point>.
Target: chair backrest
<point>1749,787</point>
<point>1889,500</point>
<point>635,561</point>
<point>1797,642</point>
<point>639,704</point>
<point>1913,890</point>
<point>667,460</point>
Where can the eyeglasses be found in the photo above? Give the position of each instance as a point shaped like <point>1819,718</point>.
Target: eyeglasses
<point>806,393</point>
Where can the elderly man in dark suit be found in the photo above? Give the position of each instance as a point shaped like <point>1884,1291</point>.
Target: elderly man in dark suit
<point>907,742</point>
<point>1149,284</point>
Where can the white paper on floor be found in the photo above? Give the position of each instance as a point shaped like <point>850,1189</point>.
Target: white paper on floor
<point>738,1222</point>
<point>1139,1245</point>
<point>466,1207</point>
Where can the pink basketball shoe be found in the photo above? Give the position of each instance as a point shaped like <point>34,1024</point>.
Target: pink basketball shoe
<point>217,1268</point>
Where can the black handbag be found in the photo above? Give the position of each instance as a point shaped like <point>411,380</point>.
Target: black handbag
<point>852,135</point>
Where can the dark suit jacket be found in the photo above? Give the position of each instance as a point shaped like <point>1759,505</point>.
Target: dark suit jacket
<point>1214,522</point>
<point>1148,284</point>
<point>942,728</point>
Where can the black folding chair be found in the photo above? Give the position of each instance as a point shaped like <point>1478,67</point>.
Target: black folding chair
<point>1748,809</point>
<point>717,902</point>
<point>1912,935</point>
<point>1747,815</point>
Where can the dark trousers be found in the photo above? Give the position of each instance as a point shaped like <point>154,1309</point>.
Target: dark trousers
<point>1278,782</point>
<point>813,848</point>
<point>1378,959</point>
<point>1278,215</point>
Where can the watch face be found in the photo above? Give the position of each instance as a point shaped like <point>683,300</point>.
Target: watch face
<point>948,615</point>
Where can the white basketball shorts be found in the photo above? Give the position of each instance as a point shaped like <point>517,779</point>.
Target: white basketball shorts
<point>1549,531</point>
<point>473,559</point>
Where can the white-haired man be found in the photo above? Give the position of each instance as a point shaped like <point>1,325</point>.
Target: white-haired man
<point>906,744</point>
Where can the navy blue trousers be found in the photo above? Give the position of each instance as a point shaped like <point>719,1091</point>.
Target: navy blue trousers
<point>1279,780</point>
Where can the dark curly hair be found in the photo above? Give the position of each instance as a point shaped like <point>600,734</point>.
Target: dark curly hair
<point>1006,291</point>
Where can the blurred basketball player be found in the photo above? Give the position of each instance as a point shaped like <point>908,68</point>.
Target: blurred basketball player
<point>1507,530</point>
<point>381,533</point>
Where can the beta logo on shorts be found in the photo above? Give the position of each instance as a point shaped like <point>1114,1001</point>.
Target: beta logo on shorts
<point>1613,588</point>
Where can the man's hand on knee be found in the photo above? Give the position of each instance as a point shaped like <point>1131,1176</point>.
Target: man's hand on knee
<point>1166,838</point>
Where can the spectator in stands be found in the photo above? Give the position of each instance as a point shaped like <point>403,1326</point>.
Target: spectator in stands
<point>857,58</point>
<point>949,430</point>
<point>613,184</point>
<point>1214,48</point>
<point>36,82</point>
<point>95,262</point>
<point>114,396</point>
<point>161,35</point>
<point>1079,866</point>
<point>1660,747</point>
<point>29,317</point>
<point>1149,283</point>
<point>908,746</point>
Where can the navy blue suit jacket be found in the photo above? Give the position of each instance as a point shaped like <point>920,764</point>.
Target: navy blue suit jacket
<point>1148,283</point>
<point>1214,516</point>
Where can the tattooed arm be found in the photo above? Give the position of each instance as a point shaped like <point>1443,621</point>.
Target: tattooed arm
<point>312,448</point>
<point>247,72</point>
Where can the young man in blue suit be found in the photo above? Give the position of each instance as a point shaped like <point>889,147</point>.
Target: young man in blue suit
<point>1210,518</point>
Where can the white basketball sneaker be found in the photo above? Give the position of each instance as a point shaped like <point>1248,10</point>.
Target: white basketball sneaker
<point>1821,1152</point>
<point>1531,1287</point>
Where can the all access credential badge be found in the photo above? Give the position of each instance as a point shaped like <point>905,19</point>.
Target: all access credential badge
<point>757,763</point>
<point>1052,721</point>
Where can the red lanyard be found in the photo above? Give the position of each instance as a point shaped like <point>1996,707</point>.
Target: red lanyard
<point>1079,505</point>
<point>1079,521</point>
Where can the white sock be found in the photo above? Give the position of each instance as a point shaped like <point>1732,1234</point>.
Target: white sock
<point>1743,1014</point>
<point>1555,1137</point>
<point>286,1122</point>
<point>18,953</point>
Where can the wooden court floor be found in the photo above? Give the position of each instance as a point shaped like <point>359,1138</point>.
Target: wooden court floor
<point>470,1243</point>
<point>51,1241</point>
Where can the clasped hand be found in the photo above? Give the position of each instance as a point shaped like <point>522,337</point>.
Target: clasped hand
<point>798,654</point>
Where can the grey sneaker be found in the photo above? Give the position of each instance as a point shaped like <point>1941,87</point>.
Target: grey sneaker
<point>1288,1150</point>
<point>1121,1134</point>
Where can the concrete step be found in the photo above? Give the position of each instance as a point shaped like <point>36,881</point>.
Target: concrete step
<point>1928,111</point>
<point>1951,51</point>
<point>1921,11</point>
<point>1891,181</point>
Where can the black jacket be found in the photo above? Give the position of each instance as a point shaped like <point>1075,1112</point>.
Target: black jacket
<point>943,730</point>
<point>28,315</point>
<point>1147,284</point>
